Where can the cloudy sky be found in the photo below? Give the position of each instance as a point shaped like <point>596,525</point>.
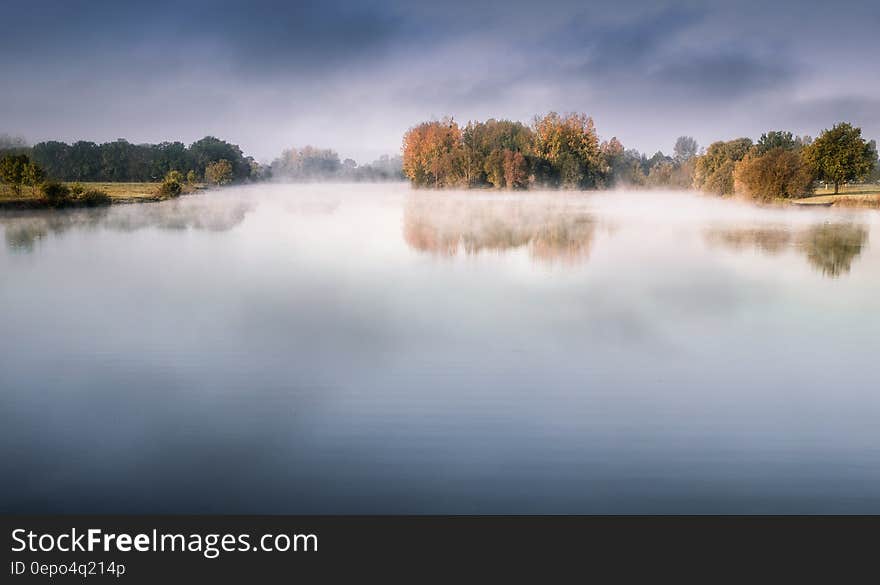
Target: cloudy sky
<point>354,75</point>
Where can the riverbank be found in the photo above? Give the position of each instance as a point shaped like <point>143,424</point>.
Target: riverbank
<point>867,196</point>
<point>118,193</point>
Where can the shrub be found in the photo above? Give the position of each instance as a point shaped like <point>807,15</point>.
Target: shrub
<point>95,198</point>
<point>170,188</point>
<point>77,189</point>
<point>192,177</point>
<point>55,193</point>
<point>779,173</point>
<point>219,173</point>
<point>175,176</point>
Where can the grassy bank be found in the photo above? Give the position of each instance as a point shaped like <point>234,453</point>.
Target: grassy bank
<point>118,192</point>
<point>849,196</point>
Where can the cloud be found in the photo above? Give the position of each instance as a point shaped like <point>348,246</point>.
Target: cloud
<point>722,74</point>
<point>824,112</point>
<point>353,76</point>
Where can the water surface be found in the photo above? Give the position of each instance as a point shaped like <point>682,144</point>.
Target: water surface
<point>371,349</point>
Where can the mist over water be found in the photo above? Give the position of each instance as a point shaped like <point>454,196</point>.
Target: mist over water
<point>369,348</point>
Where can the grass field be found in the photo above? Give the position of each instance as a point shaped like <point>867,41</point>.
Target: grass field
<point>849,196</point>
<point>866,189</point>
<point>118,192</point>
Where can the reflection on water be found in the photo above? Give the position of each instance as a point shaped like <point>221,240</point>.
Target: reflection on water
<point>219,213</point>
<point>371,349</point>
<point>772,240</point>
<point>552,229</point>
<point>830,247</point>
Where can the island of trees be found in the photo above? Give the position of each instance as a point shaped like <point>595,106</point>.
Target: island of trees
<point>566,151</point>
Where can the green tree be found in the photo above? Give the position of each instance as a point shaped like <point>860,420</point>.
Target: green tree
<point>613,162</point>
<point>777,139</point>
<point>14,171</point>
<point>484,148</point>
<point>123,161</point>
<point>33,176</point>
<point>841,155</point>
<point>210,150</point>
<point>713,171</point>
<point>570,145</point>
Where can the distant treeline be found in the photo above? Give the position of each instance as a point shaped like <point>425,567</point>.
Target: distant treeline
<point>565,151</point>
<point>203,160</point>
<point>315,164</point>
<point>122,161</point>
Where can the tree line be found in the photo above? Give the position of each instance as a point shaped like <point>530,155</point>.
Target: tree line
<point>565,151</point>
<point>313,164</point>
<point>208,160</point>
<point>554,151</point>
<point>122,161</point>
<point>781,165</point>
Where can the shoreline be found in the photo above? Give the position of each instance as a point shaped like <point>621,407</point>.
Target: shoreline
<point>134,193</point>
<point>849,200</point>
<point>119,193</point>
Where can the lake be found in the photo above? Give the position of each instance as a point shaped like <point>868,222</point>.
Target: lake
<point>373,349</point>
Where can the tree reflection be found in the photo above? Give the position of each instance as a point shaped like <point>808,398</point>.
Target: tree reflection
<point>552,230</point>
<point>22,230</point>
<point>829,248</point>
<point>769,240</point>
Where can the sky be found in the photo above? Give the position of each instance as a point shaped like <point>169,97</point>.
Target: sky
<point>353,76</point>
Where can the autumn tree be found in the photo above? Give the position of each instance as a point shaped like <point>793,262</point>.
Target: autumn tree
<point>433,154</point>
<point>777,173</point>
<point>841,155</point>
<point>516,170</point>
<point>219,173</point>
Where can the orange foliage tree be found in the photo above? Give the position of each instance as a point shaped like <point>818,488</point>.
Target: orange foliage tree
<point>556,151</point>
<point>433,155</point>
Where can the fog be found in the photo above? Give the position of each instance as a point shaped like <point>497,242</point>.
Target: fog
<point>332,348</point>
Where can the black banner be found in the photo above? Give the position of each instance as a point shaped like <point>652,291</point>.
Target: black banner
<point>135,549</point>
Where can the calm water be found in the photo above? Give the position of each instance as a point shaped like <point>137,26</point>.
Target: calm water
<point>371,349</point>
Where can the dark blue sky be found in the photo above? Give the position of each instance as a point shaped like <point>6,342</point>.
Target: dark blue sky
<point>355,75</point>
